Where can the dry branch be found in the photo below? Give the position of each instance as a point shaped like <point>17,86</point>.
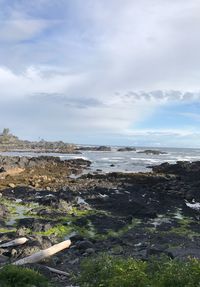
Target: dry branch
<point>15,242</point>
<point>60,272</point>
<point>34,258</point>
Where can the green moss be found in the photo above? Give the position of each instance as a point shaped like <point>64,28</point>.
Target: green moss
<point>10,205</point>
<point>111,233</point>
<point>77,212</point>
<point>88,230</point>
<point>16,210</point>
<point>5,230</point>
<point>59,230</point>
<point>184,228</point>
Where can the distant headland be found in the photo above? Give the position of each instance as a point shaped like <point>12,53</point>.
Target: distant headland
<point>10,142</point>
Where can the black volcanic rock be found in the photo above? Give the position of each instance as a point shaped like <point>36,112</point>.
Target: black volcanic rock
<point>126,214</point>
<point>152,151</point>
<point>7,162</point>
<point>180,168</point>
<point>127,149</point>
<point>94,148</point>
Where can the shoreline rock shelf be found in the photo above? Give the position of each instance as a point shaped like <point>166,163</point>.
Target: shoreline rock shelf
<point>136,215</point>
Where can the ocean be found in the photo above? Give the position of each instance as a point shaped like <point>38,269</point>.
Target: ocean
<point>132,161</point>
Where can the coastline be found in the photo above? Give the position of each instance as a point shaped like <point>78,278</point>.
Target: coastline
<point>128,214</point>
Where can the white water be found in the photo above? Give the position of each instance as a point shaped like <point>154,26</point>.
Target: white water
<point>112,161</point>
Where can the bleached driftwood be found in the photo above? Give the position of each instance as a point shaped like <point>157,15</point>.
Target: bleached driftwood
<point>15,242</point>
<point>60,272</point>
<point>36,257</point>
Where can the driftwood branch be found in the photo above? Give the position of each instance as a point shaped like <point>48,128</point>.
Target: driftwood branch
<point>34,258</point>
<point>16,242</point>
<point>60,272</point>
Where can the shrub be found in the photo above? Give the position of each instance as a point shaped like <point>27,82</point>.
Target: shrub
<point>108,271</point>
<point>14,276</point>
<point>174,273</point>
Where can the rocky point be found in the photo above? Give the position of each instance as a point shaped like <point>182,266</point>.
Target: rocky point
<point>141,214</point>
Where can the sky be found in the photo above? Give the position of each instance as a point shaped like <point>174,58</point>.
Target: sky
<point>118,72</point>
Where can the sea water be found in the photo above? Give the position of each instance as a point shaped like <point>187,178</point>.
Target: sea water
<point>132,161</point>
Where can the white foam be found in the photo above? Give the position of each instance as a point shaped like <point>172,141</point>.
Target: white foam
<point>195,206</point>
<point>72,157</point>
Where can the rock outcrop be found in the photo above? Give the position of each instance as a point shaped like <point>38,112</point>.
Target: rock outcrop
<point>136,215</point>
<point>152,152</point>
<point>10,142</point>
<point>126,149</point>
<point>93,148</point>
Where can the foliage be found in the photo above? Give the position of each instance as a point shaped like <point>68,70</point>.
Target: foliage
<point>174,273</point>
<point>14,276</point>
<point>108,271</point>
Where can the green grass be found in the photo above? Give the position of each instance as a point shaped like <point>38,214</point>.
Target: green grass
<point>108,271</point>
<point>14,276</point>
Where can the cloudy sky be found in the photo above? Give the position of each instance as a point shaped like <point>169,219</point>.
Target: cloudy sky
<point>121,72</point>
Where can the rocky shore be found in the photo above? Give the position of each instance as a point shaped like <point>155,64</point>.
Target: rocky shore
<point>137,215</point>
<point>10,142</point>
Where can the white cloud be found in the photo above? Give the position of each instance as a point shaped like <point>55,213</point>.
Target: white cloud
<point>17,25</point>
<point>186,138</point>
<point>20,30</point>
<point>33,81</point>
<point>101,66</point>
<point>40,98</point>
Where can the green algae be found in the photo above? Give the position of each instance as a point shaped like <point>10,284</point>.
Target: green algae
<point>5,230</point>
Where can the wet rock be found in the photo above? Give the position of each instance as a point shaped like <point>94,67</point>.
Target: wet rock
<point>159,250</point>
<point>3,259</point>
<point>28,249</point>
<point>94,148</point>
<point>126,149</point>
<point>49,213</point>
<point>150,151</point>
<point>36,225</point>
<point>3,211</point>
<point>75,238</point>
<point>180,168</point>
<point>184,253</point>
<point>2,169</point>
<point>84,245</point>
<point>64,205</point>
<point>125,204</point>
<point>89,251</point>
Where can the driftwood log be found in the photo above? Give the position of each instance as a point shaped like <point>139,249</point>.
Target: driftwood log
<point>41,255</point>
<point>15,242</point>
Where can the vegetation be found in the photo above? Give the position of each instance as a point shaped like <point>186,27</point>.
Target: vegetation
<point>108,271</point>
<point>14,276</point>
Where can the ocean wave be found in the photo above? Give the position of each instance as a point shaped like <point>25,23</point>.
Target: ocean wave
<point>63,157</point>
